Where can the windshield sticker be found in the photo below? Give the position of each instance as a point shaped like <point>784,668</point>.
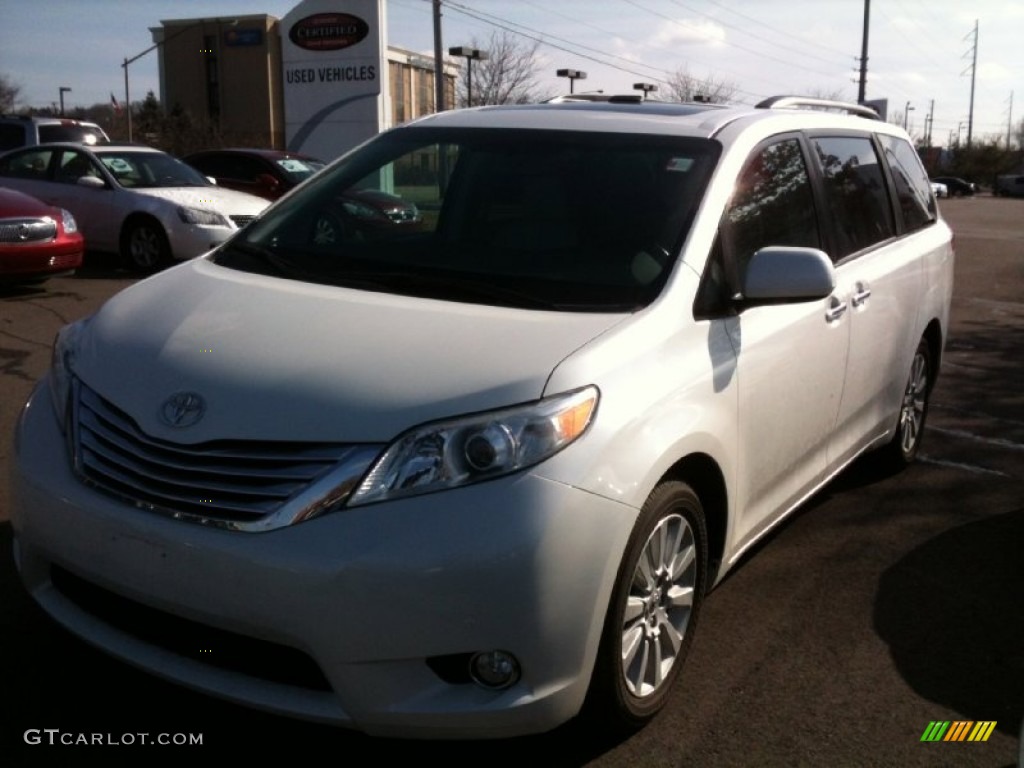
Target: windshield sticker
<point>117,164</point>
<point>679,164</point>
<point>294,166</point>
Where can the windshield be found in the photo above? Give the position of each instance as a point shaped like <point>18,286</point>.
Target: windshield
<point>543,219</point>
<point>138,170</point>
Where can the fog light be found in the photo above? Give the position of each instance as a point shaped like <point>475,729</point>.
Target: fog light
<point>494,669</point>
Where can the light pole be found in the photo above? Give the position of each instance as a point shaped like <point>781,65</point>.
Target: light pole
<point>470,55</point>
<point>573,75</point>
<point>906,114</point>
<point>63,89</point>
<point>645,87</point>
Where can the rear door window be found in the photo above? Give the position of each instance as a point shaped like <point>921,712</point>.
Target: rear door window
<point>32,164</point>
<point>12,136</point>
<point>856,194</point>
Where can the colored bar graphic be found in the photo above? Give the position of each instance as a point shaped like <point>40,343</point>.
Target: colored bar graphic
<point>935,731</point>
<point>982,730</point>
<point>958,730</point>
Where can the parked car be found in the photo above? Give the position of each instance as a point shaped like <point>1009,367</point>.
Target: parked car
<point>24,130</point>
<point>939,189</point>
<point>955,186</point>
<point>270,173</point>
<point>133,200</point>
<point>478,478</point>
<point>37,241</point>
<point>1009,185</point>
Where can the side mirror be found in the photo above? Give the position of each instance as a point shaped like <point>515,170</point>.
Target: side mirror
<point>92,182</point>
<point>783,274</point>
<point>268,183</point>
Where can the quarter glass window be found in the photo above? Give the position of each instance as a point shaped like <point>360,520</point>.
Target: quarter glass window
<point>913,188</point>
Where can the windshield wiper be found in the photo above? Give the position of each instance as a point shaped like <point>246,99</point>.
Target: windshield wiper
<point>236,254</point>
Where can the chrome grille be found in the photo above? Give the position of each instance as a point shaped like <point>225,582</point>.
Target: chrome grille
<point>241,221</point>
<point>30,230</point>
<point>239,484</point>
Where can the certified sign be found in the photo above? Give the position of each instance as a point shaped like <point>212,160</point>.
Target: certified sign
<point>328,31</point>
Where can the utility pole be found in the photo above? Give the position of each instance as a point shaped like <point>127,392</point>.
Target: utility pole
<point>928,123</point>
<point>862,89</point>
<point>1009,123</point>
<point>974,69</point>
<point>438,60</point>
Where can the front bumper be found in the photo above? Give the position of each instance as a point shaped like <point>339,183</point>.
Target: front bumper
<point>520,564</point>
<point>190,240</point>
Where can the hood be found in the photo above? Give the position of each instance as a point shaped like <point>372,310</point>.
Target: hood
<point>226,201</point>
<point>278,359</point>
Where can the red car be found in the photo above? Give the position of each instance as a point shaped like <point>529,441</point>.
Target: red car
<point>37,241</point>
<point>270,173</point>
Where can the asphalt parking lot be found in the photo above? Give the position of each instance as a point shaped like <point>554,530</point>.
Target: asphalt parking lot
<point>887,603</point>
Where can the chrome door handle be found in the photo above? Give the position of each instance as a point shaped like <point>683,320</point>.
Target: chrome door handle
<point>861,294</point>
<point>836,309</point>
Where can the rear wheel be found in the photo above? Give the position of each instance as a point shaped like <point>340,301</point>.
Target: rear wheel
<point>906,442</point>
<point>653,610</point>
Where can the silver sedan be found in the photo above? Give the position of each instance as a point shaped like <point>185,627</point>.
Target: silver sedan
<point>133,200</point>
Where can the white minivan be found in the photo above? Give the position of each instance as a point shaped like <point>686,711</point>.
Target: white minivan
<point>474,475</point>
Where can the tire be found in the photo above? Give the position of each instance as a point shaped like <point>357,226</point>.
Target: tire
<point>144,246</point>
<point>653,610</point>
<point>327,229</point>
<point>909,434</point>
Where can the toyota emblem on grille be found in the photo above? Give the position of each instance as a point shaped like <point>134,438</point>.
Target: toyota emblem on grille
<point>182,409</point>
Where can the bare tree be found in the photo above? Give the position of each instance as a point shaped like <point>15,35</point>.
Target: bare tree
<point>682,86</point>
<point>9,93</point>
<point>821,93</point>
<point>509,74</point>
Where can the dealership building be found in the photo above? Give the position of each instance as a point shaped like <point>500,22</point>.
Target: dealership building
<point>319,81</point>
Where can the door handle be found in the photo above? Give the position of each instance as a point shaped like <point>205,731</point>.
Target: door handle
<point>836,309</point>
<point>861,294</point>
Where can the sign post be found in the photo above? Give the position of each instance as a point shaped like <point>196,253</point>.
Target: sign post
<point>335,75</point>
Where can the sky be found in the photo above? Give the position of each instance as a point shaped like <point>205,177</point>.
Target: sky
<point>920,52</point>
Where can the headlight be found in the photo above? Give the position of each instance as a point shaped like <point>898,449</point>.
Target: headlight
<point>62,367</point>
<point>469,449</point>
<point>70,225</point>
<point>201,217</point>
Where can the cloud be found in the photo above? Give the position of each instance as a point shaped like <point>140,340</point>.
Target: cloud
<point>687,31</point>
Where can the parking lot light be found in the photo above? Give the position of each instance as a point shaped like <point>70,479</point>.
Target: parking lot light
<point>573,75</point>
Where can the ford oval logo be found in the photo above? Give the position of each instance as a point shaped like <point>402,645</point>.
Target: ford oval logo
<point>328,31</point>
<point>182,409</point>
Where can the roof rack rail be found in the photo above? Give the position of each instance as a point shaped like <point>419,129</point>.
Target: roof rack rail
<point>790,102</point>
<point>623,98</point>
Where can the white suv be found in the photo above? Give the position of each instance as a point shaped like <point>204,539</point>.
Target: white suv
<point>474,475</point>
<point>26,131</point>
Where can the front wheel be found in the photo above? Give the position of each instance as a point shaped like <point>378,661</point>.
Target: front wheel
<point>906,442</point>
<point>144,246</point>
<point>653,609</point>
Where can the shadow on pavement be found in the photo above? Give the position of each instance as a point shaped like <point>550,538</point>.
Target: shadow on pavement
<point>952,613</point>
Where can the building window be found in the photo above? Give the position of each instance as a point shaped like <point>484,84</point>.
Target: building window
<point>212,78</point>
